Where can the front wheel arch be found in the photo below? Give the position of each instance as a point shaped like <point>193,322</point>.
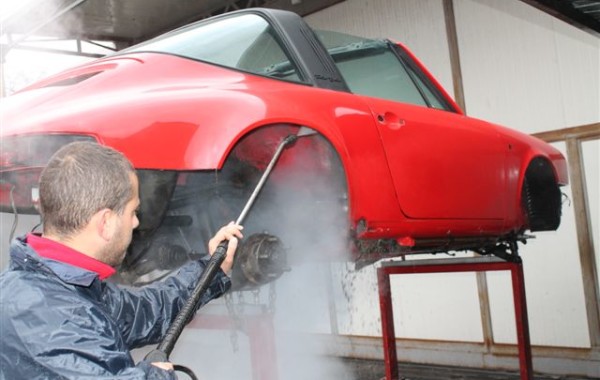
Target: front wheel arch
<point>541,196</point>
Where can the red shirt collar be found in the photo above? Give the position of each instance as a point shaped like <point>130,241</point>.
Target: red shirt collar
<point>53,250</point>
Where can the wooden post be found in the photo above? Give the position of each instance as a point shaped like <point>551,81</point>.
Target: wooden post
<point>459,95</point>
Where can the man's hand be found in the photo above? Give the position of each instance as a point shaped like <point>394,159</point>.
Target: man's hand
<point>164,365</point>
<point>231,232</point>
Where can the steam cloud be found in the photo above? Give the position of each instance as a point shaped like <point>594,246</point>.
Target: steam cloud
<point>313,226</point>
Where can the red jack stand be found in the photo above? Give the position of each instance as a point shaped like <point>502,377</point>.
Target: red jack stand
<point>261,335</point>
<point>478,264</point>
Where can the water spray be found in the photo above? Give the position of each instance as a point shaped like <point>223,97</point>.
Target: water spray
<point>164,349</point>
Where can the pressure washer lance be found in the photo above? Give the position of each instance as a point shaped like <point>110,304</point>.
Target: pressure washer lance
<point>164,349</point>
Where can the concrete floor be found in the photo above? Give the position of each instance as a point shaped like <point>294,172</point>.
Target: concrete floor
<point>374,370</point>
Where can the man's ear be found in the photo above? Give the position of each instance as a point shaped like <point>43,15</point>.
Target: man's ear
<point>104,223</point>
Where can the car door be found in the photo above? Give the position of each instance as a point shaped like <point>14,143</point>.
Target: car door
<point>444,165</point>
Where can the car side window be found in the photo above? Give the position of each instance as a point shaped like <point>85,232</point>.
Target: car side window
<point>245,42</point>
<point>372,68</point>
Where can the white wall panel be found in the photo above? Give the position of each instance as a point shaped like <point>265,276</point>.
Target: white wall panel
<point>441,306</point>
<point>521,68</point>
<point>525,69</point>
<point>425,305</point>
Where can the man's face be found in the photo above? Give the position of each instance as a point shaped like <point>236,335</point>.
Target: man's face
<point>126,223</point>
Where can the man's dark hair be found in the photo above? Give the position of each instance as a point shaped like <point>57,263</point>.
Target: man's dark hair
<point>81,179</point>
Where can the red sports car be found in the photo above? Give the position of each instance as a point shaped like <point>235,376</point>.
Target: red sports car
<point>395,166</point>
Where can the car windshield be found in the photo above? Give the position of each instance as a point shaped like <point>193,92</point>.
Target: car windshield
<point>374,68</point>
<point>245,42</point>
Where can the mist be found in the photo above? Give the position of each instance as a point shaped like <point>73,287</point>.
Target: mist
<point>23,67</point>
<point>281,323</point>
<point>299,317</point>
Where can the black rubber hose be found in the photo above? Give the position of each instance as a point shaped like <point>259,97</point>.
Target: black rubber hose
<point>186,370</point>
<point>164,349</point>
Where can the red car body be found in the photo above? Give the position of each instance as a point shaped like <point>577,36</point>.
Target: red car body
<point>413,177</point>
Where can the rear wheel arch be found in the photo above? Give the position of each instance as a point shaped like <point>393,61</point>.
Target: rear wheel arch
<point>305,195</point>
<point>311,172</point>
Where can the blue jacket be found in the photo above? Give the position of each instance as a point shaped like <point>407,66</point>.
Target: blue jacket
<point>59,321</point>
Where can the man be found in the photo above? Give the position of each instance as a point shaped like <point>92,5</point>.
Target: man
<point>59,318</point>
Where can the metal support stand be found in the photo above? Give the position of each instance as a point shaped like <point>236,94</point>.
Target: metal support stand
<point>479,264</point>
<point>261,335</point>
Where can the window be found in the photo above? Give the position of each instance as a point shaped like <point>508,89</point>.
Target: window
<point>245,42</point>
<point>372,68</point>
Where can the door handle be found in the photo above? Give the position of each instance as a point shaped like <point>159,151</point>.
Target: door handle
<point>391,120</point>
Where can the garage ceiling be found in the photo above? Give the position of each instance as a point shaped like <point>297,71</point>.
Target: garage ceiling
<point>126,22</point>
<point>584,14</point>
<point>130,21</point>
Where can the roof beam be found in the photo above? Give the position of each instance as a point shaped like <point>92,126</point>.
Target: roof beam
<point>567,12</point>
